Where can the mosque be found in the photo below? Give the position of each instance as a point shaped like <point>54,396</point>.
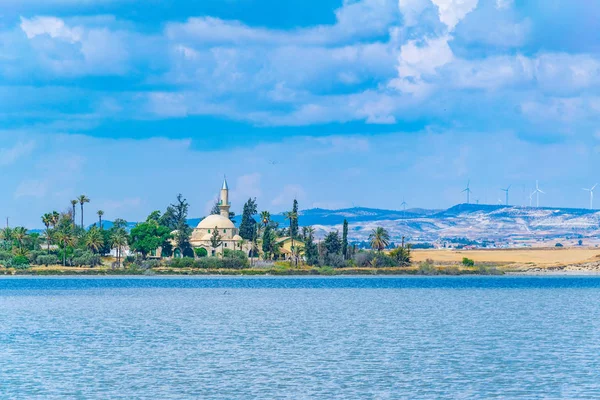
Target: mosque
<point>230,238</point>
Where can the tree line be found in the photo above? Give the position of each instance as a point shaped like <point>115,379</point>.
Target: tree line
<point>67,242</point>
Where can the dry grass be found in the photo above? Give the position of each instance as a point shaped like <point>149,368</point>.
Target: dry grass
<point>537,256</point>
<point>67,268</point>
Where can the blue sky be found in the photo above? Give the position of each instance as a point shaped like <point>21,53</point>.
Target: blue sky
<point>337,103</point>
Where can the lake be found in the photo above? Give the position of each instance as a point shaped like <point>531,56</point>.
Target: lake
<point>297,338</point>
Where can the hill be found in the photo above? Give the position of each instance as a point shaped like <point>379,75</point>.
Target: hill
<point>475,222</point>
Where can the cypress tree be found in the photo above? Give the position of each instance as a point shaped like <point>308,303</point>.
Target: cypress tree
<point>311,252</point>
<point>294,222</point>
<point>248,224</point>
<point>345,240</point>
<point>266,244</point>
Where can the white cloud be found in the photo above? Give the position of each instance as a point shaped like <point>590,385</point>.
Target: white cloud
<point>31,188</point>
<point>10,155</point>
<point>341,144</point>
<point>320,74</point>
<point>565,110</point>
<point>247,186</point>
<point>119,207</point>
<point>490,73</point>
<point>51,26</point>
<point>453,11</point>
<point>560,71</point>
<point>500,4</point>
<point>355,19</point>
<point>70,48</point>
<point>366,16</point>
<point>286,197</point>
<point>418,61</point>
<point>331,205</point>
<point>412,9</point>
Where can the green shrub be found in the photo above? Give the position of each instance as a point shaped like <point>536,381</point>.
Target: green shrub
<point>333,260</point>
<point>427,268</point>
<point>201,252</point>
<point>402,255</point>
<point>558,245</point>
<point>326,271</point>
<point>451,271</point>
<point>5,256</point>
<point>467,262</point>
<point>208,263</point>
<point>385,261</point>
<point>485,270</point>
<point>47,259</point>
<point>363,258</point>
<point>183,262</point>
<point>234,263</point>
<point>33,256</point>
<point>237,254</point>
<point>149,264</point>
<point>18,262</point>
<point>85,258</point>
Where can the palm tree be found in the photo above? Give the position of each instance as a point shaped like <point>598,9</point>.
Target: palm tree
<point>19,235</point>
<point>55,216</point>
<point>7,236</point>
<point>379,238</point>
<point>297,252</point>
<point>82,200</point>
<point>47,220</point>
<point>100,214</point>
<point>73,204</point>
<point>118,241</point>
<point>65,239</point>
<point>291,216</point>
<point>265,217</point>
<point>308,231</point>
<point>94,240</point>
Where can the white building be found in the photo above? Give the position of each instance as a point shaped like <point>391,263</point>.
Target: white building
<point>230,238</point>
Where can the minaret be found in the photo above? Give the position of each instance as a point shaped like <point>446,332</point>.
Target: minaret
<point>224,200</point>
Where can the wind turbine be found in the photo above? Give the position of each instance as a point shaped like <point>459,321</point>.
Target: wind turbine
<point>591,190</point>
<point>469,191</point>
<point>531,198</point>
<point>506,190</point>
<point>537,191</point>
<point>403,205</point>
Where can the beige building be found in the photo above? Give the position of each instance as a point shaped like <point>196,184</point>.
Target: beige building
<point>285,247</point>
<point>230,238</point>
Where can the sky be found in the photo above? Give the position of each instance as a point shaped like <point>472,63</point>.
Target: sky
<point>335,103</point>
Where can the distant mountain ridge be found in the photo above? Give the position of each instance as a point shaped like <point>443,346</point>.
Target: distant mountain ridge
<point>473,221</point>
<point>478,222</point>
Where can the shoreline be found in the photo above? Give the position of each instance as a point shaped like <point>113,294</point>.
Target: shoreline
<point>573,274</point>
<point>288,273</point>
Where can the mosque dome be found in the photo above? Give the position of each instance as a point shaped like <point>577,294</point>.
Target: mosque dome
<point>213,221</point>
